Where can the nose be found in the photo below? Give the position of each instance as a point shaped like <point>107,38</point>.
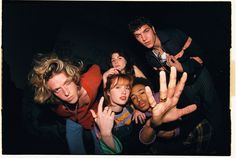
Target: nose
<point>138,98</point>
<point>143,38</point>
<point>124,91</point>
<point>66,91</point>
<point>115,61</point>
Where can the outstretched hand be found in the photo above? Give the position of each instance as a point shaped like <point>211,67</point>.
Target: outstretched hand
<point>166,110</point>
<point>104,118</point>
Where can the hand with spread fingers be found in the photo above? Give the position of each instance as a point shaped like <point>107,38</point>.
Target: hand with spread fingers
<point>105,121</point>
<point>138,116</point>
<point>166,110</point>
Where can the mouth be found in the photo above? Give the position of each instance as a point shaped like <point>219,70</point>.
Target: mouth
<point>141,104</point>
<point>117,66</point>
<point>70,98</point>
<point>146,43</point>
<point>123,98</point>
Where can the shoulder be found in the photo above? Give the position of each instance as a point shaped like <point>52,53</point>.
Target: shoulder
<point>138,72</point>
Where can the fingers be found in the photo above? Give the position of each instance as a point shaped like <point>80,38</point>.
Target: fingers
<point>100,105</point>
<point>150,97</point>
<point>163,87</point>
<point>93,114</point>
<point>179,88</point>
<point>187,110</point>
<point>172,82</point>
<point>197,59</point>
<point>136,120</point>
<point>140,119</point>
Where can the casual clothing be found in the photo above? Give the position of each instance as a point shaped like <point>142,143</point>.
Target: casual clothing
<point>172,41</point>
<point>90,81</point>
<point>80,125</point>
<point>199,88</point>
<point>192,136</point>
<point>127,132</point>
<point>84,141</point>
<point>74,136</point>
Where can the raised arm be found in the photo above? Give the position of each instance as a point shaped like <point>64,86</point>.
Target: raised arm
<point>105,121</point>
<point>166,110</point>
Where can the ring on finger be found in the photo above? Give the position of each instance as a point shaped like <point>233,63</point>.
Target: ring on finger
<point>163,100</point>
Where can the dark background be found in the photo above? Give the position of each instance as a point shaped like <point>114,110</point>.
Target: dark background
<point>90,30</point>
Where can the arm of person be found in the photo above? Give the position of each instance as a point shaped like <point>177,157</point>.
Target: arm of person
<point>166,111</point>
<point>147,134</point>
<point>109,72</point>
<point>105,121</point>
<point>190,55</point>
<point>138,72</point>
<point>169,134</point>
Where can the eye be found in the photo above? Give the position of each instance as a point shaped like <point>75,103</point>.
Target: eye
<point>127,87</point>
<point>133,97</point>
<point>146,30</point>
<point>57,90</point>
<point>117,87</point>
<point>137,35</point>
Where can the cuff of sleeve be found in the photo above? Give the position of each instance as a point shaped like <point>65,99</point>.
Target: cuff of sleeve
<point>177,132</point>
<point>107,150</point>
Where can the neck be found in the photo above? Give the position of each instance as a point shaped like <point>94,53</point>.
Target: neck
<point>157,43</point>
<point>116,108</point>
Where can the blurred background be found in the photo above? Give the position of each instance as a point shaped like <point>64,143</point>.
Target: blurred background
<point>89,31</point>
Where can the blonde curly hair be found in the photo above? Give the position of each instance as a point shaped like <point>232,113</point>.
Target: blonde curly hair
<point>45,67</point>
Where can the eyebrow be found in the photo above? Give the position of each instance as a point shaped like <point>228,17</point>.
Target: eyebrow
<point>137,91</point>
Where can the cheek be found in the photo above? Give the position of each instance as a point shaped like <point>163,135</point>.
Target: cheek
<point>60,96</point>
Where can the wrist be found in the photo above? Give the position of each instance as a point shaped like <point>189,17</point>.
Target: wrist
<point>153,126</point>
<point>106,134</point>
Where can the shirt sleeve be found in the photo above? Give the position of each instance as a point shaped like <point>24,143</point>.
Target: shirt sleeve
<point>191,66</point>
<point>107,150</point>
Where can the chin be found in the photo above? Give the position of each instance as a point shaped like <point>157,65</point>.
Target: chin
<point>123,103</point>
<point>144,109</point>
<point>73,101</point>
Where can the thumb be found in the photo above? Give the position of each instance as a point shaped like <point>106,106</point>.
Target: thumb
<point>93,114</point>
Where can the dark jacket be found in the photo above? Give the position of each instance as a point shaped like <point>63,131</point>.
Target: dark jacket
<point>172,41</point>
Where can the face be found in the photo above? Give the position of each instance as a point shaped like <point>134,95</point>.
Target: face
<point>118,61</point>
<point>64,88</point>
<point>139,97</point>
<point>119,94</point>
<point>146,35</point>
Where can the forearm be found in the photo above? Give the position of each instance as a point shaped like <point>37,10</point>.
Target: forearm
<point>108,140</point>
<point>147,135</point>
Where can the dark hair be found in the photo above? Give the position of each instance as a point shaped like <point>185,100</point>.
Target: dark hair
<point>110,81</point>
<point>138,23</point>
<point>143,81</point>
<point>129,69</point>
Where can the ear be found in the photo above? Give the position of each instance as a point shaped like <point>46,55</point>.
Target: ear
<point>154,30</point>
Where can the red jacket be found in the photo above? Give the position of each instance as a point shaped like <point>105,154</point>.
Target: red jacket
<point>90,81</point>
